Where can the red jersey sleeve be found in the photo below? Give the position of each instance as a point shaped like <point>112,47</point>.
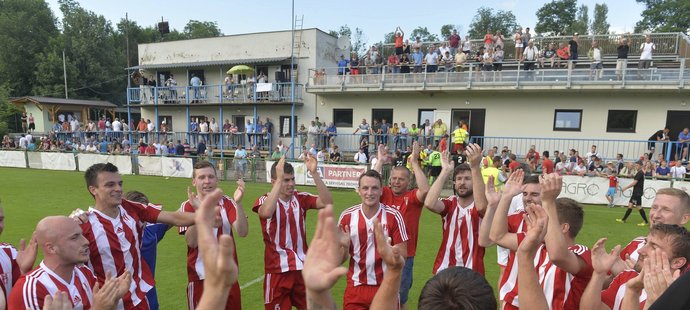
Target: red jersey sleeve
<point>307,200</point>
<point>185,207</point>
<point>413,201</point>
<point>146,212</point>
<point>259,201</point>
<point>398,231</point>
<point>632,247</point>
<point>514,221</point>
<point>230,207</point>
<point>447,204</point>
<point>27,295</point>
<point>586,255</point>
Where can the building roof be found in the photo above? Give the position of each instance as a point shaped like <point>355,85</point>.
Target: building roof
<point>62,101</point>
<point>211,63</point>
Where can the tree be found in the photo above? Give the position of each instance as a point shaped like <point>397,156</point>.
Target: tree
<point>581,24</point>
<point>389,37</point>
<point>487,19</point>
<point>357,39</point>
<point>26,27</point>
<point>664,16</point>
<point>447,30</point>
<point>556,17</point>
<point>424,34</point>
<point>196,29</point>
<point>600,25</point>
<point>9,122</point>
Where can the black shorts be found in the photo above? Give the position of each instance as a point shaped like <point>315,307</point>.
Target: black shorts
<point>636,200</point>
<point>398,50</point>
<point>32,126</point>
<point>498,67</point>
<point>435,171</point>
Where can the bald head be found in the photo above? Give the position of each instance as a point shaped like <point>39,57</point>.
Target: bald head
<point>62,240</point>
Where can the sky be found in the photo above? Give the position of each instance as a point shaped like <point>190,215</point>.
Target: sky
<point>375,18</point>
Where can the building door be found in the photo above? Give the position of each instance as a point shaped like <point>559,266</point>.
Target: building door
<point>239,122</point>
<point>676,121</point>
<point>475,119</point>
<point>425,114</point>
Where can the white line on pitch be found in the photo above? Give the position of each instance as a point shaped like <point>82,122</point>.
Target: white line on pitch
<point>252,282</point>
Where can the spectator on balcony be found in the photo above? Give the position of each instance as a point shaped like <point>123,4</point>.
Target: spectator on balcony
<point>398,39</point>
<point>414,132</point>
<point>404,135</point>
<point>488,40</point>
<point>662,171</point>
<point>517,37</point>
<point>393,64</point>
<point>195,82</point>
<point>573,44</point>
<point>302,134</point>
<point>214,130</point>
<point>447,62</point>
<point>229,83</point>
<point>526,37</point>
<point>660,136</point>
<point>498,60</point>
<point>354,64</point>
<point>334,156</point>
<point>592,154</point>
<point>622,58</point>
<point>313,133</point>
<point>370,60</point>
<point>562,166</point>
<point>331,133</point>
<point>499,39</point>
<point>342,65</point>
<point>375,128</point>
<point>595,55</point>
<point>646,50</point>
<point>250,130</point>
<point>404,63</point>
<point>319,76</point>
<point>261,78</point>
<point>530,56</point>
<point>439,129</point>
<point>443,49</point>
<point>684,142</point>
<point>417,58</point>
<point>171,83</point>
<point>488,60</point>
<point>678,171</point>
<point>417,44</point>
<point>467,46</point>
<point>240,161</point>
<point>460,59</point>
<point>313,150</point>
<point>276,155</point>
<point>431,59</point>
<point>384,131</point>
<point>361,157</point>
<point>549,55</point>
<point>395,132</point>
<point>454,42</point>
<point>563,54</point>
<point>428,129</point>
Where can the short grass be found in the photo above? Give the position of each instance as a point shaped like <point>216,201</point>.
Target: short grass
<point>29,195</point>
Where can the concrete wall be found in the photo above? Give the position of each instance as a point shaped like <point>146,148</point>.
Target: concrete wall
<point>518,113</point>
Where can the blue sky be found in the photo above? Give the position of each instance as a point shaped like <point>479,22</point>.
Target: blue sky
<point>375,18</point>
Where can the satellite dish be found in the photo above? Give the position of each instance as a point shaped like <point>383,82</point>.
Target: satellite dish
<point>343,46</point>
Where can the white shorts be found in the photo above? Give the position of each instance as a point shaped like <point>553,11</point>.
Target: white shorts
<point>518,45</point>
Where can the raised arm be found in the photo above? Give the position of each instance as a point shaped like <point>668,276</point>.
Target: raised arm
<point>388,292</point>
<point>556,245</point>
<point>176,218</point>
<point>420,178</point>
<point>602,263</point>
<point>474,152</point>
<point>492,198</point>
<point>499,227</point>
<point>431,202</point>
<point>531,293</point>
<point>268,208</point>
<point>241,225</point>
<point>381,158</point>
<point>325,197</point>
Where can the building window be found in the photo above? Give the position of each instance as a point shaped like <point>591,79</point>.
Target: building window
<point>380,114</point>
<point>285,126</point>
<point>567,120</point>
<point>621,121</point>
<point>342,117</point>
<point>168,123</point>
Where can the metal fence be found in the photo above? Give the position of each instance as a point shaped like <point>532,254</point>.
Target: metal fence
<point>234,93</point>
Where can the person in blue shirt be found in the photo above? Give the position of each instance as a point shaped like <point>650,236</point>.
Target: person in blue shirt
<point>417,58</point>
<point>195,82</point>
<point>342,65</point>
<point>201,148</point>
<point>684,141</point>
<point>103,146</point>
<point>153,233</point>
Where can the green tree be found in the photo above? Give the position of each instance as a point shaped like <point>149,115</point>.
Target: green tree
<point>423,33</point>
<point>447,30</point>
<point>664,16</point>
<point>8,114</point>
<point>357,39</point>
<point>26,27</point>
<point>197,29</point>
<point>487,19</point>
<point>389,37</point>
<point>581,24</point>
<point>600,24</point>
<point>556,17</point>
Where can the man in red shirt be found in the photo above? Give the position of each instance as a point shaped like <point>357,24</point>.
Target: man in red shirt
<point>231,215</point>
<point>409,202</point>
<point>547,164</point>
<point>283,212</point>
<point>366,267</point>
<point>514,163</point>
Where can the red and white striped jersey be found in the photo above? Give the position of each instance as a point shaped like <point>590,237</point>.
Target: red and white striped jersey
<point>366,266</point>
<point>411,209</point>
<point>460,244</point>
<point>508,288</point>
<point>228,216</point>
<point>632,248</point>
<point>563,290</point>
<point>32,288</point>
<point>115,246</point>
<point>613,295</point>
<point>9,270</point>
<point>284,234</point>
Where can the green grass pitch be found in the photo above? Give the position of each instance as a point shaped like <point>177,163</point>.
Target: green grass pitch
<point>29,195</point>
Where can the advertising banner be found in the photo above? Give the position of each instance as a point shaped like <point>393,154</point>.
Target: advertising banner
<point>177,167</point>
<point>12,159</point>
<point>592,190</point>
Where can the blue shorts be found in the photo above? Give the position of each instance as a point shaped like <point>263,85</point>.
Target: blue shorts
<point>611,192</point>
<point>406,282</point>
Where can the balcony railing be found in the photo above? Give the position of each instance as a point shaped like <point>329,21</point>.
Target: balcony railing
<point>215,94</point>
<point>672,74</point>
